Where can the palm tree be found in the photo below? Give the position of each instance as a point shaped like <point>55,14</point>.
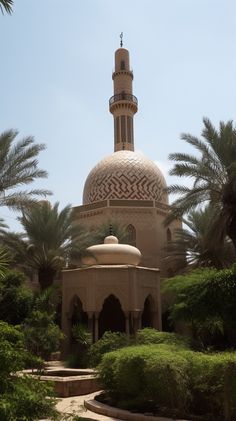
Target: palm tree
<point>19,166</point>
<point>48,243</point>
<point>192,248</point>
<point>6,5</point>
<point>214,178</point>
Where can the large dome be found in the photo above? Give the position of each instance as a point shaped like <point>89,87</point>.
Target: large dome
<point>125,175</point>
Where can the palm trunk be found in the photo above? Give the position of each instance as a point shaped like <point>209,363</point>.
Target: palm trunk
<point>46,277</point>
<point>232,231</point>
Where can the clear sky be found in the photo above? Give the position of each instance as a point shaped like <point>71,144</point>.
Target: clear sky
<point>57,58</point>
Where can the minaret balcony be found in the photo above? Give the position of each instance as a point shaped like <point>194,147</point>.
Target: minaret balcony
<point>123,97</point>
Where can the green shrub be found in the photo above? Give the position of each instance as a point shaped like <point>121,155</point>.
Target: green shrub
<point>153,336</point>
<point>111,341</point>
<point>83,339</point>
<point>108,342</point>
<point>136,375</point>
<point>26,399</point>
<point>42,335</point>
<point>157,377</point>
<point>22,398</point>
<point>212,382</point>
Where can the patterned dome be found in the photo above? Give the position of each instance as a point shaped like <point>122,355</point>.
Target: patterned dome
<point>125,175</point>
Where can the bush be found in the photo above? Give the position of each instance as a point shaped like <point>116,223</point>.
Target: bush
<point>111,341</point>
<point>157,377</point>
<point>22,398</point>
<point>108,342</point>
<point>212,382</point>
<point>83,339</point>
<point>138,376</point>
<point>153,336</point>
<point>42,335</point>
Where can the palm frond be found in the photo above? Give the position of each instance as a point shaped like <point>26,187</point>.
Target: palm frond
<point>6,5</point>
<point>213,174</point>
<point>18,166</point>
<point>198,245</point>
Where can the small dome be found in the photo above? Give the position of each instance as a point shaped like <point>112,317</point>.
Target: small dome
<point>125,175</point>
<point>112,253</point>
<point>111,239</point>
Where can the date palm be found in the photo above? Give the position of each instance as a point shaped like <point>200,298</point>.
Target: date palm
<point>50,238</point>
<point>214,178</point>
<point>6,5</point>
<point>19,166</point>
<point>191,246</point>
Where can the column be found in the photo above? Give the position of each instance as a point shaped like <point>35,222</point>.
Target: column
<point>136,315</point>
<point>96,329</point>
<point>127,327</point>
<point>66,328</point>
<point>90,323</point>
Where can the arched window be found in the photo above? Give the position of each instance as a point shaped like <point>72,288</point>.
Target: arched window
<point>78,315</point>
<point>122,65</point>
<point>131,235</point>
<point>168,235</point>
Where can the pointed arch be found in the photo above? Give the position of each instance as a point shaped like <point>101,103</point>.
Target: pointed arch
<point>148,312</point>
<point>111,316</point>
<point>168,235</point>
<point>77,313</point>
<point>131,235</point>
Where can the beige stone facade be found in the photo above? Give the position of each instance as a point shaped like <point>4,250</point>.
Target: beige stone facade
<point>128,188</point>
<point>111,297</point>
<point>145,216</point>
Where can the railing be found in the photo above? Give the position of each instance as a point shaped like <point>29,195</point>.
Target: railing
<point>123,96</point>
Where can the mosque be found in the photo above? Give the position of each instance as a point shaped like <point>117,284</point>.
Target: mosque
<point>119,288</point>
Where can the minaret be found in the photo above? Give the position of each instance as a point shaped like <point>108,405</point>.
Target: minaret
<point>123,104</point>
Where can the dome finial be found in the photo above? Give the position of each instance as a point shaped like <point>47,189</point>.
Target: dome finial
<point>111,230</point>
<point>121,39</point>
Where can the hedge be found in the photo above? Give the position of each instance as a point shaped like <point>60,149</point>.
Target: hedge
<point>153,336</point>
<point>171,380</point>
<point>112,341</point>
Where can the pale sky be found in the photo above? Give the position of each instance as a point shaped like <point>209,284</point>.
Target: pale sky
<point>57,58</point>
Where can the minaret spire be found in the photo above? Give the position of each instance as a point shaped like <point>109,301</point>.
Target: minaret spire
<point>121,39</point>
<point>123,104</point>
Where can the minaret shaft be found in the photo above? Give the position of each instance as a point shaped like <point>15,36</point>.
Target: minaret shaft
<point>123,105</point>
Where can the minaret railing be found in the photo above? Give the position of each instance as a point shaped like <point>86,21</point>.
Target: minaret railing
<point>123,97</point>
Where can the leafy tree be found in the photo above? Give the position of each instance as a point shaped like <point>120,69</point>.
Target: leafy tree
<point>19,166</point>
<point>192,247</point>
<point>50,241</point>
<point>206,301</point>
<point>15,298</point>
<point>214,178</point>
<point>6,5</point>
<point>42,335</point>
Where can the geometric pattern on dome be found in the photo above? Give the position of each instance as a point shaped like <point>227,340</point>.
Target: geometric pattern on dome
<point>125,175</point>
